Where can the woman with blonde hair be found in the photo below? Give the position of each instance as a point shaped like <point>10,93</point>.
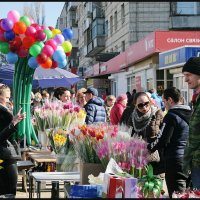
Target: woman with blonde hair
<point>80,97</point>
<point>9,147</point>
<point>109,103</point>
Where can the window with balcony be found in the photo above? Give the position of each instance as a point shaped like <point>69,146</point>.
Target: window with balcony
<point>187,8</point>
<point>111,25</point>
<point>116,20</point>
<point>122,13</point>
<point>98,28</point>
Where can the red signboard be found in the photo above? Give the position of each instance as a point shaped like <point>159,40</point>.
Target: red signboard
<point>96,69</point>
<point>155,42</point>
<point>160,41</point>
<point>114,65</point>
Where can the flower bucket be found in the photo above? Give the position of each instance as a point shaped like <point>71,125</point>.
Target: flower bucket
<point>89,168</point>
<point>43,139</point>
<point>67,163</point>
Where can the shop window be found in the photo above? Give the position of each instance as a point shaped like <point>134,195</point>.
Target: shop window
<point>114,88</point>
<point>149,84</point>
<point>130,84</point>
<point>160,87</point>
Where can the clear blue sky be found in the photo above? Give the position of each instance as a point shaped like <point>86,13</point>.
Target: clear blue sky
<point>52,10</point>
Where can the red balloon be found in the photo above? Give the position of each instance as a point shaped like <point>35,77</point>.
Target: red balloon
<point>51,28</point>
<point>23,52</point>
<point>19,27</point>
<point>14,45</point>
<point>68,53</point>
<point>40,35</point>
<point>41,58</point>
<point>30,31</point>
<point>0,26</point>
<point>37,27</point>
<point>52,43</point>
<point>28,42</point>
<point>47,64</point>
<point>54,64</point>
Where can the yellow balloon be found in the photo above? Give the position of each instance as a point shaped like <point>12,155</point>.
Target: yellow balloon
<point>55,32</point>
<point>67,46</point>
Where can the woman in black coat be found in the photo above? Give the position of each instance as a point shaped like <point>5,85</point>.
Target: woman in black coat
<point>8,126</point>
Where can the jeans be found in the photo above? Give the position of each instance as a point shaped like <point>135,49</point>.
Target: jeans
<point>8,177</point>
<point>195,174</point>
<point>175,178</point>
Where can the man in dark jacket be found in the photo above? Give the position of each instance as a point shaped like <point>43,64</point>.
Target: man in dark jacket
<point>173,138</point>
<point>94,107</point>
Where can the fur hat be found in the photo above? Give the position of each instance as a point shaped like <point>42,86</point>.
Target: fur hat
<point>192,66</point>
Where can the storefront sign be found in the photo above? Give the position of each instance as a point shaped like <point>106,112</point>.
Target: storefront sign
<point>177,57</point>
<point>160,41</point>
<point>103,68</point>
<point>88,72</point>
<point>96,69</point>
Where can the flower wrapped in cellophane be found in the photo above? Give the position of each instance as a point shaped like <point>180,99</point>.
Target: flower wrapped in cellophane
<point>59,140</point>
<point>54,114</point>
<point>1,161</point>
<point>84,137</point>
<point>130,153</point>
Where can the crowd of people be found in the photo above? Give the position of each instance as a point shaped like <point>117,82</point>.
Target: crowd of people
<point>168,126</point>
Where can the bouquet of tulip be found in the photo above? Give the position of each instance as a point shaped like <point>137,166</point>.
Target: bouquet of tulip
<point>130,153</point>
<point>1,161</point>
<point>84,137</point>
<point>59,140</point>
<point>54,114</point>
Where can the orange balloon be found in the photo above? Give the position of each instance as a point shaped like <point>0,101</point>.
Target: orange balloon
<point>19,27</point>
<point>47,64</point>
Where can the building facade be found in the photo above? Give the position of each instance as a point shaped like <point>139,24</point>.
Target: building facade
<point>108,33</point>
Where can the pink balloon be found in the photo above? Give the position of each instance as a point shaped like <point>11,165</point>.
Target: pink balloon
<point>48,50</point>
<point>30,31</point>
<point>44,27</point>
<point>13,15</point>
<point>40,35</point>
<point>59,38</point>
<point>37,27</point>
<point>52,43</point>
<point>31,20</point>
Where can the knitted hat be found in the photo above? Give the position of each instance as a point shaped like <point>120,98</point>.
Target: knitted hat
<point>121,97</point>
<point>192,66</point>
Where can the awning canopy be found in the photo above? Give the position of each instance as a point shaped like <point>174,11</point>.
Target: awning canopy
<point>104,57</point>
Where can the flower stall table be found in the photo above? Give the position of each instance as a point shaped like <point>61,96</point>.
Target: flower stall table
<point>54,177</point>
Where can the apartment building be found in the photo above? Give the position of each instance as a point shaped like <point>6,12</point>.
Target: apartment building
<point>107,30</point>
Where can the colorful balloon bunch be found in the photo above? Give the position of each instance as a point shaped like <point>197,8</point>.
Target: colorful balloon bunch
<point>29,45</point>
<point>46,47</point>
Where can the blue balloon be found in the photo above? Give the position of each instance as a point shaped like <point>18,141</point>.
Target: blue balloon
<point>62,64</point>
<point>32,62</point>
<point>67,33</point>
<point>59,56</point>
<point>9,35</point>
<point>11,58</point>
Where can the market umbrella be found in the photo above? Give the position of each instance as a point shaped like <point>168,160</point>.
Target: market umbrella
<point>42,78</point>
